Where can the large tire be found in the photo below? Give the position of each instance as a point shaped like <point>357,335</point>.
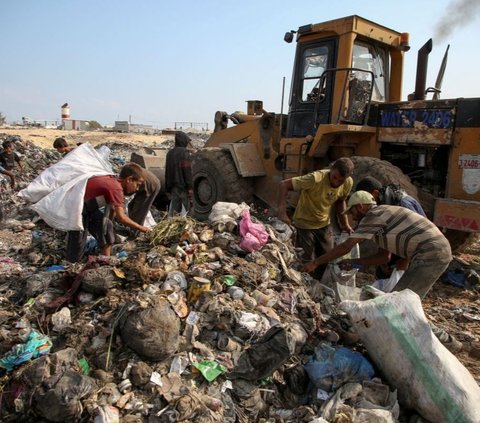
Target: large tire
<point>382,170</point>
<point>215,178</point>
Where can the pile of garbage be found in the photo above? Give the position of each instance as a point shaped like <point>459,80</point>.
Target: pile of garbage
<point>35,159</point>
<point>211,322</point>
<point>120,152</point>
<point>186,325</point>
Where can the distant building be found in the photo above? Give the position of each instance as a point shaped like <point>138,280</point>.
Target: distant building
<point>76,124</point>
<point>48,124</point>
<point>125,126</point>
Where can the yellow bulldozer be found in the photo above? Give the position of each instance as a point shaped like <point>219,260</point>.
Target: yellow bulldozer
<point>345,100</point>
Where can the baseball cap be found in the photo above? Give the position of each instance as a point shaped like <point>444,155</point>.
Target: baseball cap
<point>359,197</point>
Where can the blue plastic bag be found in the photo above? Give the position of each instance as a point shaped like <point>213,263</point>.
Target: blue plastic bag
<point>35,345</point>
<point>331,367</point>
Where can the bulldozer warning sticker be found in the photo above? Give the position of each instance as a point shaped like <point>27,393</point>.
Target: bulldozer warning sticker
<point>469,161</point>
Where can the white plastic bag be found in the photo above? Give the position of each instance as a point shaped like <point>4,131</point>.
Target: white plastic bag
<point>387,285</point>
<point>83,160</point>
<point>59,190</point>
<point>354,253</point>
<point>223,209</point>
<point>224,216</point>
<point>334,274</point>
<point>400,342</point>
<point>171,213</point>
<point>62,208</point>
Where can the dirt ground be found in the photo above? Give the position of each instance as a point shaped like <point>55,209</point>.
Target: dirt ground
<point>44,137</point>
<point>455,309</point>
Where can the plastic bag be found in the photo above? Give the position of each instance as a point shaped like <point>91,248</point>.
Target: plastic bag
<point>253,235</point>
<point>334,275</point>
<point>224,215</point>
<point>387,285</point>
<point>83,160</point>
<point>59,190</point>
<point>399,340</point>
<point>210,369</point>
<point>171,212</point>
<point>354,253</point>
<point>35,345</point>
<point>331,367</point>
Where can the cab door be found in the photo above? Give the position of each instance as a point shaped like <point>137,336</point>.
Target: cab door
<point>308,99</point>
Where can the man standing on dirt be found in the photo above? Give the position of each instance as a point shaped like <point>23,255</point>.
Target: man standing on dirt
<point>103,201</point>
<point>178,175</point>
<point>319,191</point>
<point>399,231</point>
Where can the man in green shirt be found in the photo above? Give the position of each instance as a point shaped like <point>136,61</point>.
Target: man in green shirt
<point>319,191</point>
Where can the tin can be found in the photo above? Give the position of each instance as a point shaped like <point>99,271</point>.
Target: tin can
<point>197,286</point>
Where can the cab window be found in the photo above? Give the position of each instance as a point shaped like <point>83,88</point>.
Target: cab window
<point>314,64</point>
<point>371,58</point>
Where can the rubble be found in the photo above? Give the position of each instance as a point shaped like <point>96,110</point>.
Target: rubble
<point>130,339</point>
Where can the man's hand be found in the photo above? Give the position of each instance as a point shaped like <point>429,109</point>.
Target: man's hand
<point>283,188</point>
<point>284,218</point>
<point>308,267</point>
<point>144,229</point>
<point>402,264</point>
<point>347,228</point>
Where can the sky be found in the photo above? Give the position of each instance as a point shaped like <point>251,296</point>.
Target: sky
<point>159,62</point>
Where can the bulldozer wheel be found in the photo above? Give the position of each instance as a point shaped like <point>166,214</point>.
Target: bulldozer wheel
<point>382,170</point>
<point>215,178</point>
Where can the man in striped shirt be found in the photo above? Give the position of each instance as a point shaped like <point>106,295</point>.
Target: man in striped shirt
<point>399,231</point>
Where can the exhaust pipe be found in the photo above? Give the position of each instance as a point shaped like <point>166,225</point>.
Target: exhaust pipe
<point>422,66</point>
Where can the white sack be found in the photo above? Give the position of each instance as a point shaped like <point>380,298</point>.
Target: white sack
<point>224,216</point>
<point>83,160</point>
<point>387,285</point>
<point>400,342</point>
<point>62,208</point>
<point>59,190</point>
<point>222,210</point>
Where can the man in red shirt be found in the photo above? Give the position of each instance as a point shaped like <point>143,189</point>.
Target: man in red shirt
<point>103,201</point>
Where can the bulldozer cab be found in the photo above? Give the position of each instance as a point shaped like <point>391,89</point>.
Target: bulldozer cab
<point>341,66</point>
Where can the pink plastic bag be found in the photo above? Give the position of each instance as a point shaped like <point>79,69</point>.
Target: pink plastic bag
<point>253,235</point>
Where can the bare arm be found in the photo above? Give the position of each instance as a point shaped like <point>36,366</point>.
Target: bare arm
<point>382,257</point>
<point>340,207</point>
<point>11,175</point>
<point>125,220</point>
<point>284,186</point>
<point>339,251</point>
